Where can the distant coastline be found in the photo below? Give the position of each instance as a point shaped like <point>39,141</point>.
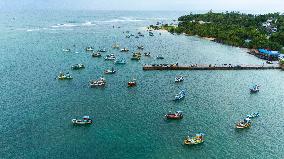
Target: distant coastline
<point>232,28</point>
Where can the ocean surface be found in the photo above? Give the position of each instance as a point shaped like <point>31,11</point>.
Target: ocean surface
<point>36,109</point>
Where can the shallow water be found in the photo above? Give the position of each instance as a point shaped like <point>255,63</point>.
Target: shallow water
<point>36,109</point>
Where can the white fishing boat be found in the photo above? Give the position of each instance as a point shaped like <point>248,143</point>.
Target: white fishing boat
<point>86,120</point>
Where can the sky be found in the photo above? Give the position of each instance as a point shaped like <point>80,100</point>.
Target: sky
<point>179,5</point>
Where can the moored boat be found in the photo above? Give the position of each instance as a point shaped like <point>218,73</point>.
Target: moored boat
<point>96,54</point>
<point>77,66</point>
<point>253,115</point>
<point>246,123</point>
<point>110,57</point>
<point>197,139</point>
<point>86,120</point>
<point>180,95</point>
<point>160,57</point>
<point>102,50</point>
<point>63,76</point>
<point>66,50</point>
<point>112,71</point>
<point>254,89</point>
<point>141,47</point>
<point>176,115</point>
<point>89,48</point>
<point>136,54</point>
<point>120,61</point>
<point>97,83</point>
<point>137,58</point>
<point>124,50</point>
<point>147,54</point>
<point>132,83</point>
<point>179,79</point>
<point>115,46</point>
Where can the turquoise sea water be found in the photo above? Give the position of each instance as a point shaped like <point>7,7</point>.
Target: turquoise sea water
<point>36,109</point>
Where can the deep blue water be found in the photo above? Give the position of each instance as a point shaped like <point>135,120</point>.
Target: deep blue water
<point>36,109</point>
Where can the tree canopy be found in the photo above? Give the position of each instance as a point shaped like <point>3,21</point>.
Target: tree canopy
<point>234,28</point>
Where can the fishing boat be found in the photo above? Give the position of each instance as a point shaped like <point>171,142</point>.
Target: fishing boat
<point>98,83</point>
<point>112,71</point>
<point>115,46</point>
<point>137,36</point>
<point>246,123</point>
<point>253,115</point>
<point>63,76</point>
<point>137,58</point>
<point>102,50</point>
<point>124,50</point>
<point>89,48</point>
<point>180,95</point>
<point>86,120</point>
<point>179,79</point>
<point>136,54</point>
<point>66,50</point>
<point>254,89</point>
<point>132,83</point>
<point>77,66</point>
<point>110,57</point>
<point>127,36</point>
<point>96,54</point>
<point>197,139</point>
<point>147,54</point>
<point>160,57</point>
<point>140,47</point>
<point>176,115</point>
<point>151,34</point>
<point>120,61</point>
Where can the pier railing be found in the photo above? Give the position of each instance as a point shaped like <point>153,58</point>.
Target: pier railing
<point>209,67</point>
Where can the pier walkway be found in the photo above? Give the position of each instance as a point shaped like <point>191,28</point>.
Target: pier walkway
<point>209,67</point>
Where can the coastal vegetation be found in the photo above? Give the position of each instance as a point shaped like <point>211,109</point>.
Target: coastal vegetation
<point>234,28</point>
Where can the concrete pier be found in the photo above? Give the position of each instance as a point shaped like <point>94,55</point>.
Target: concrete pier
<point>209,67</point>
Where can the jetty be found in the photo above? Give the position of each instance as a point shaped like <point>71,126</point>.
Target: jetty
<point>209,67</point>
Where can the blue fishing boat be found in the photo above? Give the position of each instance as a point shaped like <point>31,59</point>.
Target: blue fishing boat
<point>102,50</point>
<point>180,95</point>
<point>254,89</point>
<point>253,115</point>
<point>120,61</point>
